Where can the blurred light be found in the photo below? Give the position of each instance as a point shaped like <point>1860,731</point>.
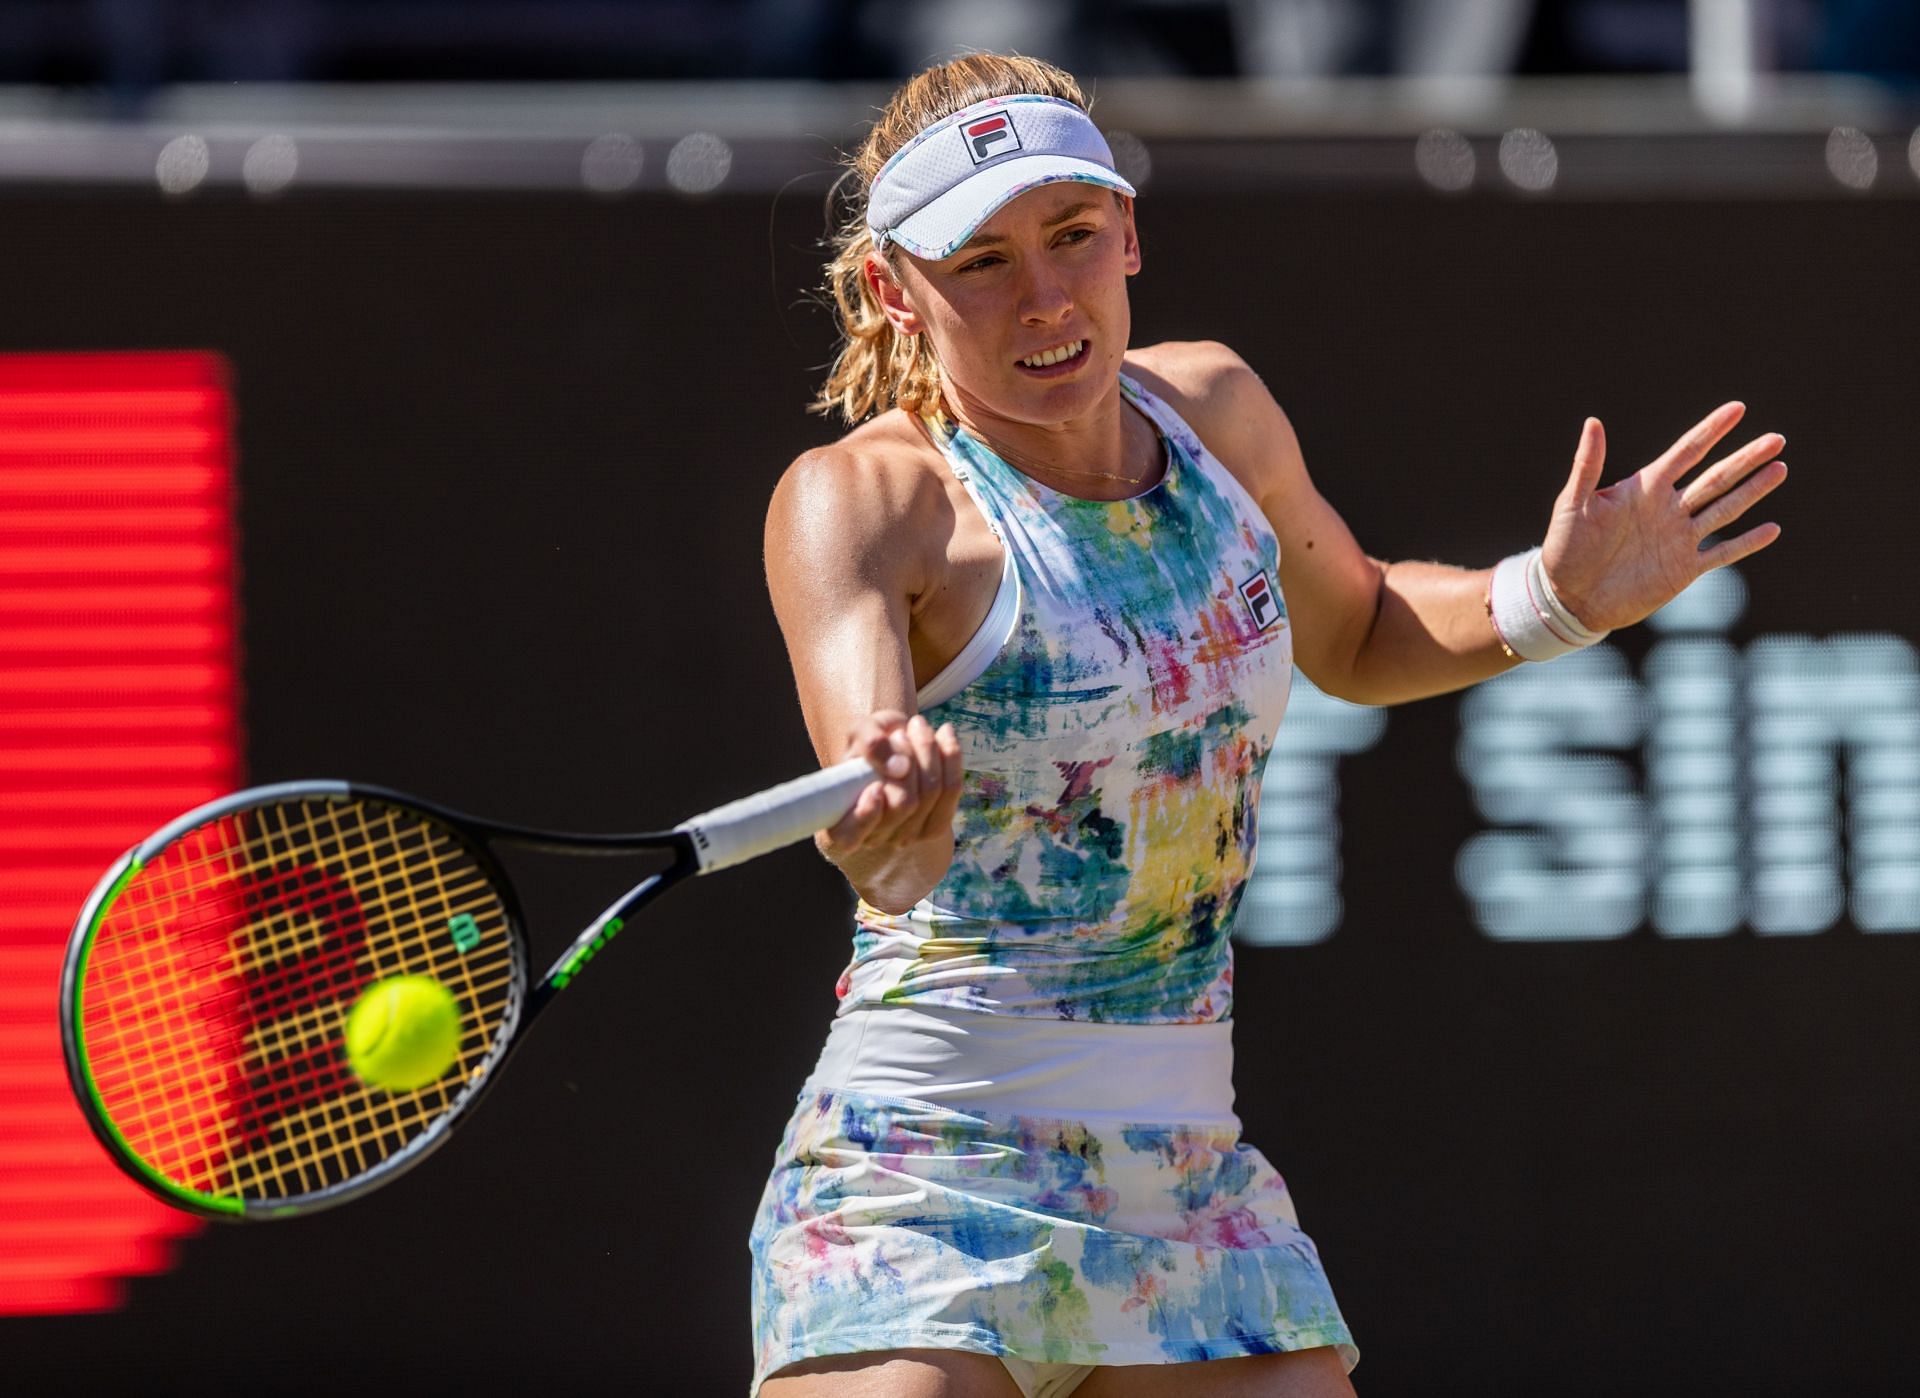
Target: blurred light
<point>1444,159</point>
<point>1913,152</point>
<point>698,164</point>
<point>183,163</point>
<point>1796,899</point>
<point>611,164</point>
<point>1713,603</point>
<point>1723,44</point>
<point>1528,158</point>
<point>1131,158</point>
<point>1852,158</point>
<point>270,165</point>
<point>1293,898</point>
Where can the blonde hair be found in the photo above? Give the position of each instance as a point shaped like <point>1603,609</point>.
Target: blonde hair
<point>876,367</point>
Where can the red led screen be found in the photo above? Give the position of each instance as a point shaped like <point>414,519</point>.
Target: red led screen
<point>119,708</point>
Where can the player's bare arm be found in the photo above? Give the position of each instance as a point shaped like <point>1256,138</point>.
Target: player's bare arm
<point>1376,632</point>
<point>853,545</point>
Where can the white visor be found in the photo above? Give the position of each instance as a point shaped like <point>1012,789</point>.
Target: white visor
<point>942,185</point>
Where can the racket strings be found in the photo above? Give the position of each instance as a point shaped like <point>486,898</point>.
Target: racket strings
<point>358,1123</point>
<point>181,1009</point>
<point>261,1087</point>
<point>330,1117</point>
<point>215,992</point>
<point>166,1085</point>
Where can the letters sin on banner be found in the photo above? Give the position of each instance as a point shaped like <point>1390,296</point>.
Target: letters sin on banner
<point>1775,787</point>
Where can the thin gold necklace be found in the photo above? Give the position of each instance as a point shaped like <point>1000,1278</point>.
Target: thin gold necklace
<point>1026,468</point>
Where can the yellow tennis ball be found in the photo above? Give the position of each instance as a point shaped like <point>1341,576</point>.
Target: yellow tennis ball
<point>403,1032</point>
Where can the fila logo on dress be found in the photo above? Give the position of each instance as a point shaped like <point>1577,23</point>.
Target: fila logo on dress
<point>1262,605</point>
<point>991,136</point>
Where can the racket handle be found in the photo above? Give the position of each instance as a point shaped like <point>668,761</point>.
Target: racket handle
<point>780,815</point>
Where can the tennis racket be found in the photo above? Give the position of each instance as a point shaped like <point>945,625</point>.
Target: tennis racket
<point>204,996</point>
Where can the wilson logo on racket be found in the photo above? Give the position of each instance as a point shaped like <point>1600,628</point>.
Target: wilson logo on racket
<point>584,954</point>
<point>464,931</point>
<point>1263,602</point>
<point>991,136</point>
<point>299,937</point>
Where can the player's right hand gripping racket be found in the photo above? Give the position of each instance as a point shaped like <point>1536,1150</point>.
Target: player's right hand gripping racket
<point>206,986</point>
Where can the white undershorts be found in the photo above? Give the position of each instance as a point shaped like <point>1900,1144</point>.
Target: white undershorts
<point>1045,1380</point>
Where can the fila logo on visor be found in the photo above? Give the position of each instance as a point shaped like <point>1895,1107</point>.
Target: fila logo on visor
<point>991,136</point>
<point>1261,602</point>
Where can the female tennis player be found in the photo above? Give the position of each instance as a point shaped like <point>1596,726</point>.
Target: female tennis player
<point>1015,1168</point>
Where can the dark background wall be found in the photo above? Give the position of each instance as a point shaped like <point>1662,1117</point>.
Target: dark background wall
<point>503,465</point>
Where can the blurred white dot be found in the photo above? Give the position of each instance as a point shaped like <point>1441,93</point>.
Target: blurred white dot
<point>1130,158</point>
<point>1852,158</point>
<point>611,164</point>
<point>270,165</point>
<point>1444,159</point>
<point>1913,152</point>
<point>698,164</point>
<point>1528,158</point>
<point>1712,602</point>
<point>182,164</point>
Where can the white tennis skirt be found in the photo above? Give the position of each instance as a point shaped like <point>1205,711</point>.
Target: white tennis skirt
<point>1060,1192</point>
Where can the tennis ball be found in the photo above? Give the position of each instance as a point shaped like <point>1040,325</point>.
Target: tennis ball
<point>403,1032</point>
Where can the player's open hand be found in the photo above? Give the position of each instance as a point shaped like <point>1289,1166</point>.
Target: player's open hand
<point>897,841</point>
<point>1616,555</point>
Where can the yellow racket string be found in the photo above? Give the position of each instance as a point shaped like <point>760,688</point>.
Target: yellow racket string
<point>216,991</point>
<point>281,837</point>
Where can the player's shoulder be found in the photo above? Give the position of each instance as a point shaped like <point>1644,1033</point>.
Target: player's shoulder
<point>875,491</point>
<point>878,474</point>
<point>1192,368</point>
<point>1218,394</point>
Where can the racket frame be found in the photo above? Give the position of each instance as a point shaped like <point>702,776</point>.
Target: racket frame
<point>478,838</point>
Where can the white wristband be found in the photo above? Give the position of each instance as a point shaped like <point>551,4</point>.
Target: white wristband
<point>1528,617</point>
